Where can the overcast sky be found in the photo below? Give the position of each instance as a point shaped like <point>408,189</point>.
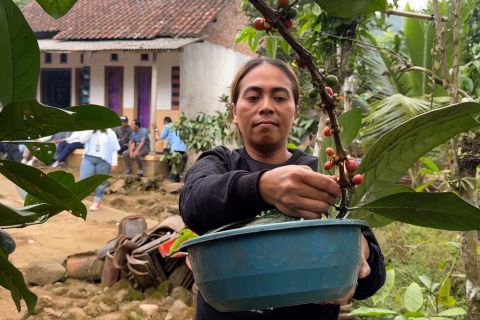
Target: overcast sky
<point>414,4</point>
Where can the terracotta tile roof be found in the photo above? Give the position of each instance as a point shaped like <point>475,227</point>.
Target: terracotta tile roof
<point>127,19</point>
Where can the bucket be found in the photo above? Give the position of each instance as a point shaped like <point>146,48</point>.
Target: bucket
<point>278,264</point>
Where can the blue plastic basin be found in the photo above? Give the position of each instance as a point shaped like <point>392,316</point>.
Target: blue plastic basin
<point>278,264</point>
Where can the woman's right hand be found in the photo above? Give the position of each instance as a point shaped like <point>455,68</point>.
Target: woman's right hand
<point>298,191</point>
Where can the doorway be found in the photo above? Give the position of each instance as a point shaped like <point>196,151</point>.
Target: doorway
<point>55,87</point>
<point>143,94</point>
<point>114,88</point>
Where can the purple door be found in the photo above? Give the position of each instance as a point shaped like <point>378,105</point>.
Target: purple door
<point>143,86</point>
<point>114,88</point>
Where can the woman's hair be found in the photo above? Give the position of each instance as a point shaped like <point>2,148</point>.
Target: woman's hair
<point>252,64</point>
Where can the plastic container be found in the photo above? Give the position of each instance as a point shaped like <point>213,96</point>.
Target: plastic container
<point>278,264</point>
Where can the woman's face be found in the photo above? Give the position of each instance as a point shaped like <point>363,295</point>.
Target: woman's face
<point>265,108</point>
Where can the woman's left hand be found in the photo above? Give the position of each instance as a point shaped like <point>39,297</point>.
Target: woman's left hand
<point>362,273</point>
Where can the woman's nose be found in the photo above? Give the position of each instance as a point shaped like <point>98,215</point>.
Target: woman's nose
<point>266,107</point>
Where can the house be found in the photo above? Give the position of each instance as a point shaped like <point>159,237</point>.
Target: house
<point>143,58</point>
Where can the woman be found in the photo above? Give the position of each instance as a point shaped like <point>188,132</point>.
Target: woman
<point>100,156</point>
<point>225,186</point>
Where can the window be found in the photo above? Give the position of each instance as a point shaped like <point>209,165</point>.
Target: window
<point>144,57</point>
<point>48,58</point>
<point>175,88</point>
<point>63,58</point>
<point>81,58</point>
<point>114,57</point>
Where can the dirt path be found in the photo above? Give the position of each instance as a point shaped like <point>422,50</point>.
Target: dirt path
<point>59,237</point>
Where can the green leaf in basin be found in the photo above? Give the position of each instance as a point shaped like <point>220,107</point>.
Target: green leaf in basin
<point>445,211</point>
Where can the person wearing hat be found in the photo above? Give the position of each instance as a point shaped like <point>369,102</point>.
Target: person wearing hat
<point>123,134</point>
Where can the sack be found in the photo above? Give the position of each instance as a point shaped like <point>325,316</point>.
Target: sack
<point>132,226</point>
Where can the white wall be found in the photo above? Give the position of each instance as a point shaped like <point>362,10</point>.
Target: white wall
<point>162,61</point>
<point>205,74</point>
<point>206,71</point>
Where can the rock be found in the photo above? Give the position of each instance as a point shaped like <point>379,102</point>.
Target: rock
<point>180,293</point>
<point>172,208</point>
<point>173,187</point>
<point>156,208</point>
<point>60,291</point>
<point>122,191</point>
<point>102,306</point>
<point>53,312</point>
<point>114,187</point>
<point>79,292</point>
<point>164,215</point>
<point>121,295</point>
<point>118,202</point>
<point>75,313</point>
<point>180,311</point>
<point>149,310</point>
<point>44,272</point>
<point>91,309</point>
<point>113,316</point>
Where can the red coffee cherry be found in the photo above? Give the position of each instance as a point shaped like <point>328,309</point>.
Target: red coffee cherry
<point>329,151</point>
<point>329,91</point>
<point>328,165</point>
<point>357,179</point>
<point>351,165</point>
<point>258,24</point>
<point>327,131</point>
<point>288,23</point>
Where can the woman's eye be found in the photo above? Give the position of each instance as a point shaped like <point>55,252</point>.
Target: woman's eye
<point>252,98</point>
<point>280,99</point>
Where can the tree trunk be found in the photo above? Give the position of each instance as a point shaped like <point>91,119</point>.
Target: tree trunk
<point>468,161</point>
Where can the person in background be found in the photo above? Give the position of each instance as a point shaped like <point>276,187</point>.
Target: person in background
<point>75,141</point>
<point>100,156</point>
<point>139,146</point>
<point>123,134</point>
<point>225,186</point>
<point>174,145</point>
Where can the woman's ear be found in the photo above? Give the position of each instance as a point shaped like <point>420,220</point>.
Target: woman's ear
<point>297,112</point>
<point>234,112</point>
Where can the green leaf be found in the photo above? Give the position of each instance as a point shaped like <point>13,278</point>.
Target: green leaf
<point>384,291</point>
<point>426,280</point>
<point>413,297</point>
<point>272,47</point>
<point>81,189</point>
<point>375,220</point>
<point>371,312</point>
<point>42,186</point>
<point>444,292</point>
<point>445,211</point>
<point>29,120</point>
<point>19,56</point>
<point>21,217</point>
<point>42,151</point>
<point>56,8</point>
<point>390,157</point>
<point>351,8</point>
<point>453,312</point>
<point>430,164</point>
<point>12,280</point>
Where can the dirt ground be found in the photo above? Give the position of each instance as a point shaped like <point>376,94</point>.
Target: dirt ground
<point>65,234</point>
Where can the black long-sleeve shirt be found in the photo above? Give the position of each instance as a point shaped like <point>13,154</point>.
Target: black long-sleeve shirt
<point>222,187</point>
